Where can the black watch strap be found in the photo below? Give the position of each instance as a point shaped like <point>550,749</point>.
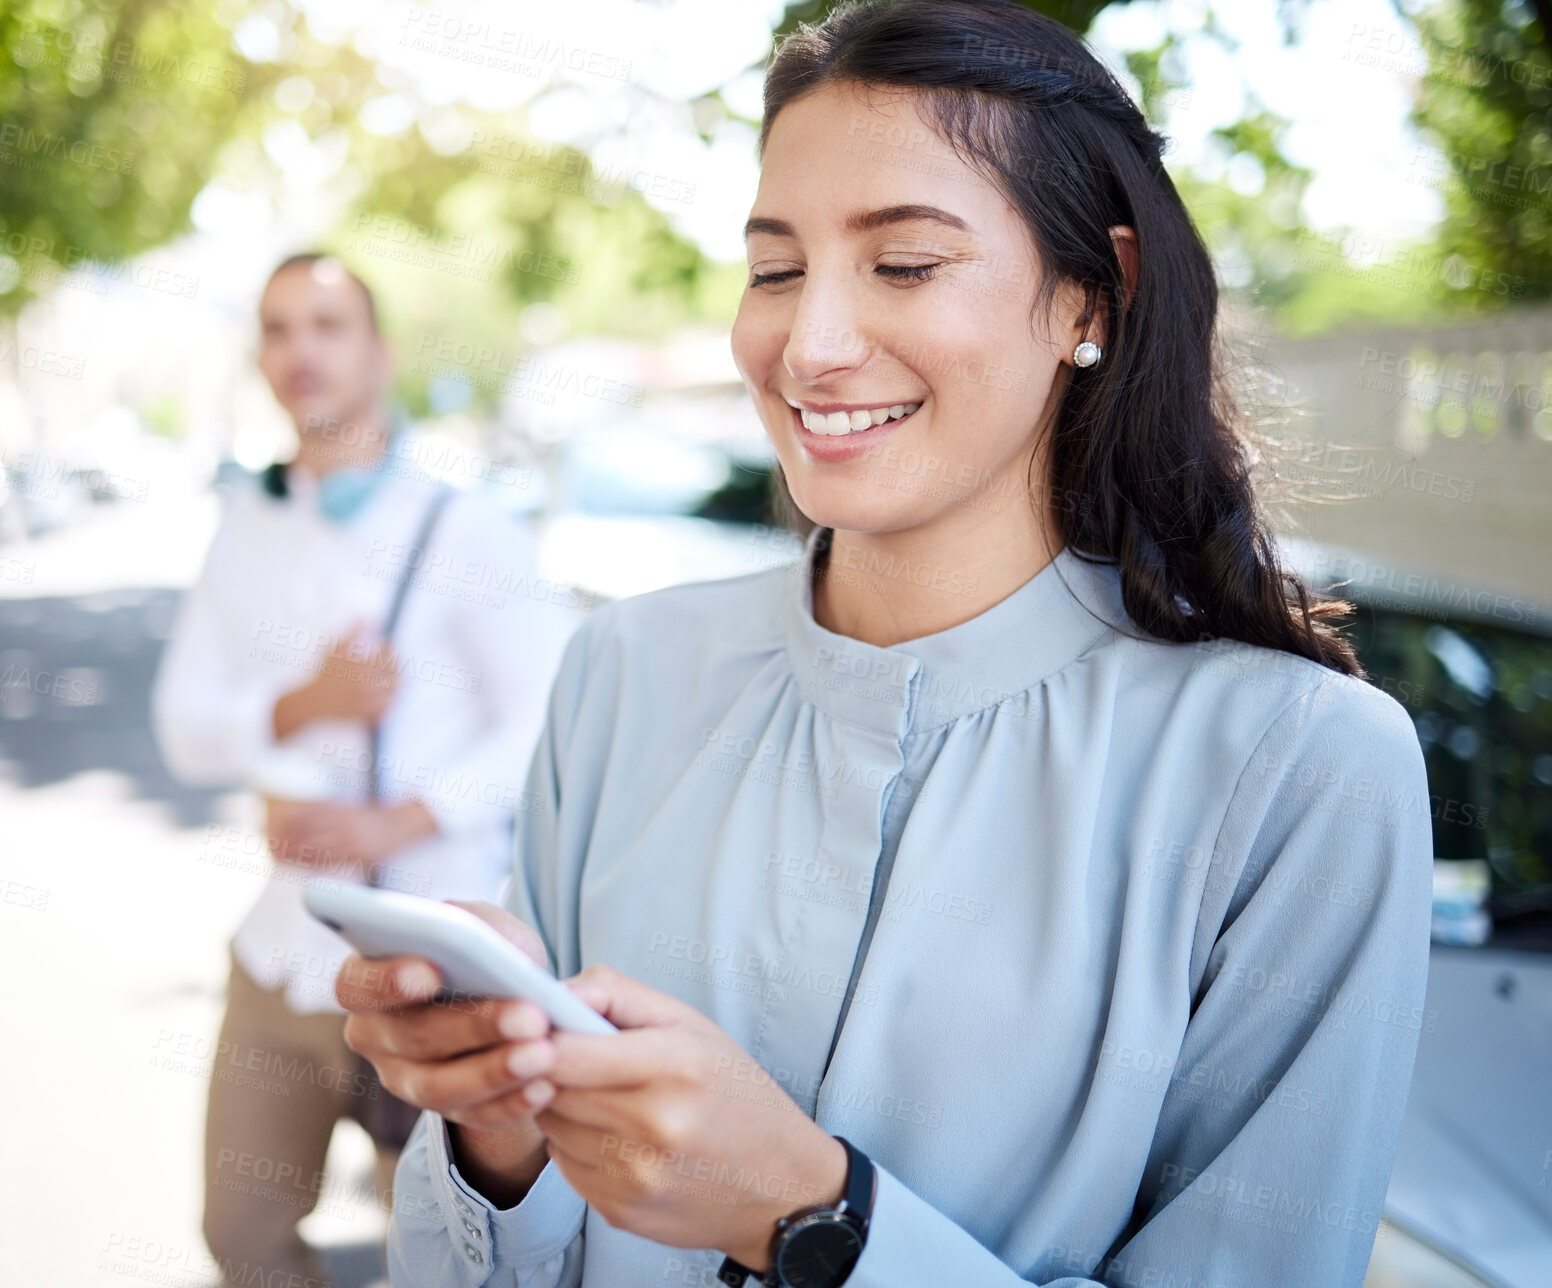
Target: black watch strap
<point>856,1203</point>
<point>735,1275</point>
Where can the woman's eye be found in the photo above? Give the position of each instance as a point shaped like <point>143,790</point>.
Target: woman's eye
<point>908,272</point>
<point>900,272</point>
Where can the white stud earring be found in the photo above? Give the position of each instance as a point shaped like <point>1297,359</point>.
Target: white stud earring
<point>1086,354</point>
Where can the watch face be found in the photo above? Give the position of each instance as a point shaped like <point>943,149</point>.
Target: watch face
<point>819,1252</point>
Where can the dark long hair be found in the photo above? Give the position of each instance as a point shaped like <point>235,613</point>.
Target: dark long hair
<point>1147,459</point>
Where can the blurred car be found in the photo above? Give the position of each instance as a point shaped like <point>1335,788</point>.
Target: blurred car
<point>634,509</point>
<point>1470,1198</point>
<point>40,495</point>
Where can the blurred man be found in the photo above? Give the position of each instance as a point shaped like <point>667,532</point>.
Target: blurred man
<point>399,763</point>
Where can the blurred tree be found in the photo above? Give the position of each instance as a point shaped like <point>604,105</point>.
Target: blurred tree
<point>1077,14</point>
<point>111,116</point>
<point>114,114</point>
<point>463,237</point>
<point>1486,101</point>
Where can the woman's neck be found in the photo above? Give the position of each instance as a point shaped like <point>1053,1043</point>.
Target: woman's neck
<point>884,588</point>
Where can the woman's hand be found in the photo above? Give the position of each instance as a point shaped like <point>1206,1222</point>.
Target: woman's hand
<point>467,1059</point>
<point>669,1129</point>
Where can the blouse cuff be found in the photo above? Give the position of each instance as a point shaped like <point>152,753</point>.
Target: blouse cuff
<point>540,1227</point>
<point>911,1243</point>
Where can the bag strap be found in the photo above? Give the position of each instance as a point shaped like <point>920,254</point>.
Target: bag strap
<point>427,525</point>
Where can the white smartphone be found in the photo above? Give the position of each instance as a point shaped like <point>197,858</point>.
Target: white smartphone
<point>473,957</point>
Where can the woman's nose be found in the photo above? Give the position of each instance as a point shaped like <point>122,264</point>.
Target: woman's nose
<point>828,332</point>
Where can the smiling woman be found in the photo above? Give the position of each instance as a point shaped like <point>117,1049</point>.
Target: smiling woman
<point>981,861</point>
<point>1036,281</point>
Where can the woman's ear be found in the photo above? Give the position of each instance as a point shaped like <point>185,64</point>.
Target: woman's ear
<point>1085,325</point>
<point>1124,240</point>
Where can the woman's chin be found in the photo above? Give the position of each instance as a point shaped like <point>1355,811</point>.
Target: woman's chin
<point>857,507</point>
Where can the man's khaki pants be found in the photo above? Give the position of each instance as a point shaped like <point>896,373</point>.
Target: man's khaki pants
<point>280,1083</point>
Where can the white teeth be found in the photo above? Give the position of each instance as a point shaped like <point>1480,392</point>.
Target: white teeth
<point>837,423</point>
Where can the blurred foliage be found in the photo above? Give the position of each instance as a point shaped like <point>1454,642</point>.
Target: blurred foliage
<point>1486,101</point>
<point>1077,14</point>
<point>461,244</point>
<point>1251,217</point>
<point>1304,282</point>
<point>111,115</point>
<point>115,114</point>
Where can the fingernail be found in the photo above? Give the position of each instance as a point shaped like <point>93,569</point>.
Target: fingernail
<point>518,1022</point>
<point>589,993</point>
<point>416,979</point>
<point>538,1091</point>
<point>525,1061</point>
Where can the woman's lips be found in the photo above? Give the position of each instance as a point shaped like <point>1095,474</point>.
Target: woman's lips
<point>841,447</point>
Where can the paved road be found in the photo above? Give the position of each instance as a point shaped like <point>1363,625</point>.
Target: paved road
<point>115,909</point>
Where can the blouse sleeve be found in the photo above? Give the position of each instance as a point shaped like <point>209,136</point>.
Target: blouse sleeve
<point>1277,1135</point>
<point>443,1231</point>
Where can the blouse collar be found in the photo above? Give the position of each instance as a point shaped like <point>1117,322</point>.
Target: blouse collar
<point>999,655</point>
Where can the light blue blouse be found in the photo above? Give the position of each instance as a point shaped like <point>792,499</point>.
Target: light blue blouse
<point>1147,975</point>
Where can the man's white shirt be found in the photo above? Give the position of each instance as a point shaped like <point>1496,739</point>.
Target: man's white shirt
<point>477,645</point>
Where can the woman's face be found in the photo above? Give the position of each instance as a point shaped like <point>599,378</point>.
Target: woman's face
<point>875,304</point>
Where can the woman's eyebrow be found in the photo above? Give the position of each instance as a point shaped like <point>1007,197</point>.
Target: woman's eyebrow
<point>862,221</point>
